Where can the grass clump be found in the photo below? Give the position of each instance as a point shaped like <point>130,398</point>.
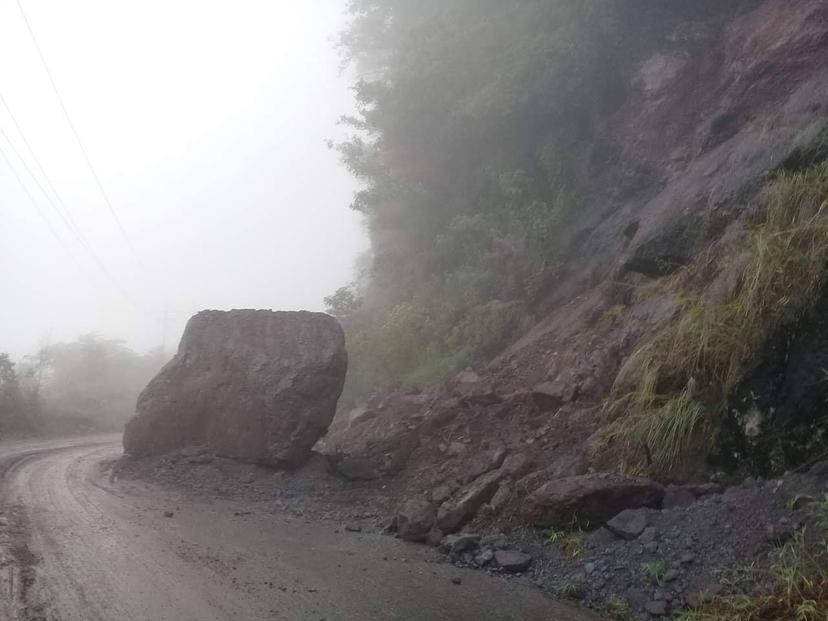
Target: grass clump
<point>617,609</point>
<point>671,389</point>
<point>570,590</point>
<point>654,571</point>
<point>800,573</point>
<point>570,543</point>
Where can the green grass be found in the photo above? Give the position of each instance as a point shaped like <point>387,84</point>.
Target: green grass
<point>570,543</point>
<point>618,610</point>
<point>673,387</point>
<point>654,571</point>
<point>800,592</point>
<point>799,572</point>
<point>659,434</point>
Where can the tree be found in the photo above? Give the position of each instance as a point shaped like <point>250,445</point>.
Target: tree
<point>91,383</point>
<point>343,303</point>
<point>12,413</point>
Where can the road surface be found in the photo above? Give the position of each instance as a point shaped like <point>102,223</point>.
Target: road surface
<point>75,546</point>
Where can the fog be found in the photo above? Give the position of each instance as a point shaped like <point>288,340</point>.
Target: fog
<point>207,124</point>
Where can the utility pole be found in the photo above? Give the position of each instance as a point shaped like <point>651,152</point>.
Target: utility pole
<point>164,320</point>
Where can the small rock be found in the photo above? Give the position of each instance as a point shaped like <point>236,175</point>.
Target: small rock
<point>443,493</point>
<point>456,448</point>
<point>649,535</point>
<point>517,465</point>
<point>456,581</point>
<point>677,497</point>
<point>671,575</point>
<point>800,501</point>
<point>434,537</point>
<point>657,608</point>
<point>629,524</point>
<point>484,557</point>
<point>706,489</point>
<point>549,395</point>
<point>353,528</point>
<point>457,544</point>
<point>415,519</point>
<point>168,514</point>
<point>495,542</point>
<point>201,459</point>
<point>601,538</point>
<point>501,497</point>
<point>512,561</point>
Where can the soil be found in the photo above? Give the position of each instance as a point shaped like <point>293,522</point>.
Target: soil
<point>84,544</point>
<point>722,541</point>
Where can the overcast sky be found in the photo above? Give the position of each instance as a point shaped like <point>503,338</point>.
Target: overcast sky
<point>206,121</point>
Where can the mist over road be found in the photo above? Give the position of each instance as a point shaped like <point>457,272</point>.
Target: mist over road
<point>104,550</point>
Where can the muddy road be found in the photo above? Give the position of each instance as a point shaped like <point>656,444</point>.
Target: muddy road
<point>79,546</point>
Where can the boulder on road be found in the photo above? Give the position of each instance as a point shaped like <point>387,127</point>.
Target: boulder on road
<point>258,386</point>
<point>588,499</point>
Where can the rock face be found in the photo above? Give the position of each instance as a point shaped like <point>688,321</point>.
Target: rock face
<point>257,386</point>
<point>589,499</point>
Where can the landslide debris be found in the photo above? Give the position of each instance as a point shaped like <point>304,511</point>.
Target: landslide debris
<point>253,385</point>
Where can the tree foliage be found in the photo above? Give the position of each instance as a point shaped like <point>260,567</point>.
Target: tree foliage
<point>476,139</point>
<point>88,384</point>
<point>465,111</point>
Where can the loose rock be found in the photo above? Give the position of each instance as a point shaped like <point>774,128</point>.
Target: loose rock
<point>257,386</point>
<point>415,519</point>
<point>512,561</point>
<point>588,499</point>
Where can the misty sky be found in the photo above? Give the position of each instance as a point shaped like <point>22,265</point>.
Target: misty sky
<point>206,121</point>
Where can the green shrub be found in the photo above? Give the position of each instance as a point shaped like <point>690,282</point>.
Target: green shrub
<point>485,329</point>
<point>383,353</point>
<point>436,368</point>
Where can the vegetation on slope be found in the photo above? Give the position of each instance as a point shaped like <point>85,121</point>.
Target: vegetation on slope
<point>469,139</point>
<point>679,383</point>
<point>799,575</point>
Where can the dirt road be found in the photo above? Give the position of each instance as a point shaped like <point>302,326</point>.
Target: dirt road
<point>78,546</point>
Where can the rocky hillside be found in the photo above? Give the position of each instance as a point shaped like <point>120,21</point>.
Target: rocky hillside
<point>678,330</point>
<point>698,272</point>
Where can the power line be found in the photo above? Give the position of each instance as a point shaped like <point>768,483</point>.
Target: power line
<point>40,212</point>
<point>83,151</point>
<point>36,160</point>
<point>78,235</point>
<point>66,220</point>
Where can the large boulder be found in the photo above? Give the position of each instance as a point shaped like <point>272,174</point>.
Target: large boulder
<point>257,386</point>
<point>589,500</point>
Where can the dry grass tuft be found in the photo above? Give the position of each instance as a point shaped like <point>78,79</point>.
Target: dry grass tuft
<point>670,390</point>
<point>800,594</point>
